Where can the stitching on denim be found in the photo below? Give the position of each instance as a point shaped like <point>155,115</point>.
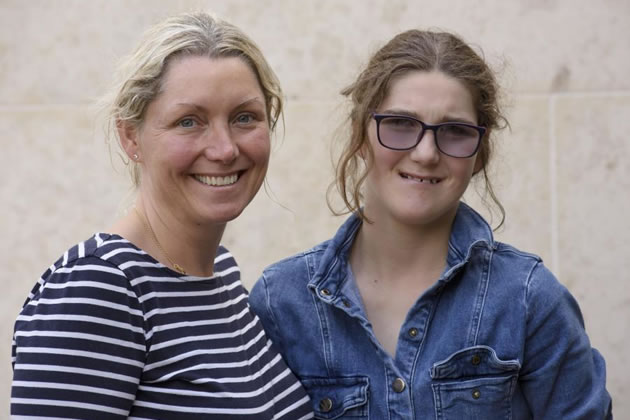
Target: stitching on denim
<point>320,307</point>
<point>480,300</point>
<point>272,316</point>
<point>528,283</point>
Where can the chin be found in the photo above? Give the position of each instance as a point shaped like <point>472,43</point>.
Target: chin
<point>423,217</point>
<point>221,216</point>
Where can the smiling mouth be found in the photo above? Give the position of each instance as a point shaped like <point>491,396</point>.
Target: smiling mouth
<point>217,181</point>
<point>421,179</point>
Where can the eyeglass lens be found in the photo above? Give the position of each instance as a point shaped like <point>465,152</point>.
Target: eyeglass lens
<point>452,139</point>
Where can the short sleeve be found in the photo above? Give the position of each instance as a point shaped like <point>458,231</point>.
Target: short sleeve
<point>79,344</point>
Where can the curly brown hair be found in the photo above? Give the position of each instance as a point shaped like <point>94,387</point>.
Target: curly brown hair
<point>408,51</point>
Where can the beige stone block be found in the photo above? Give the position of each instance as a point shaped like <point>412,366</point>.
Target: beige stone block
<point>58,188</point>
<point>556,46</point>
<point>64,51</point>
<point>519,173</point>
<point>541,46</point>
<point>594,233</point>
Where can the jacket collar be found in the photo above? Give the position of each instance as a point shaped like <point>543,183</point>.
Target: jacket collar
<point>469,231</point>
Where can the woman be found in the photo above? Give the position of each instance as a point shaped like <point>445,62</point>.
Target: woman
<point>150,320</point>
<point>412,310</point>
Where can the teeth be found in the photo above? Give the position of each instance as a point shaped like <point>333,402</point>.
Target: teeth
<point>217,180</point>
<point>429,180</point>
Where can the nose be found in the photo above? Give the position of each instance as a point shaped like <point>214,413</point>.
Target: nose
<point>426,150</point>
<point>220,145</point>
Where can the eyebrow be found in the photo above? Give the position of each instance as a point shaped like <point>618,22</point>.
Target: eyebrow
<point>255,99</point>
<point>406,113</point>
<point>189,105</point>
<point>198,107</point>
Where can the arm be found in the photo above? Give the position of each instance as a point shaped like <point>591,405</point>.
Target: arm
<point>562,376</point>
<point>78,345</point>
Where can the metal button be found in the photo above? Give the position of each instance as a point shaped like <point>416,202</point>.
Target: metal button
<point>475,360</point>
<point>346,303</point>
<point>324,292</point>
<point>476,394</point>
<point>325,405</point>
<point>413,332</point>
<point>398,385</point>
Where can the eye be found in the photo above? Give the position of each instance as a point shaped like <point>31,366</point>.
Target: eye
<point>186,123</point>
<point>458,131</point>
<point>245,118</point>
<point>400,123</point>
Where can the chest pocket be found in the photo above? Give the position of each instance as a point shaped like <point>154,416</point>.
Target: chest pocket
<point>474,383</point>
<point>338,398</point>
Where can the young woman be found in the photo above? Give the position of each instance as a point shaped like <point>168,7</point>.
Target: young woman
<point>150,319</point>
<point>412,310</point>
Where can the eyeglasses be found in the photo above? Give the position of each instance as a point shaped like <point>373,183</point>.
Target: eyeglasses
<point>400,132</point>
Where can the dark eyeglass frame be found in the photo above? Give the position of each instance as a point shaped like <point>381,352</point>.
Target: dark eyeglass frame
<point>433,127</point>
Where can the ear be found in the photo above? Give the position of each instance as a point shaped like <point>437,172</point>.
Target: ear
<point>478,164</point>
<point>482,155</point>
<point>128,137</point>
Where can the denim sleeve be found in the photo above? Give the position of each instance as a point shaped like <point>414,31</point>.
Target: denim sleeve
<point>259,301</point>
<point>562,376</point>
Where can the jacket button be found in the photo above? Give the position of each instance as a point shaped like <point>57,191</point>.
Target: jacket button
<point>324,292</point>
<point>476,394</point>
<point>325,405</point>
<point>475,360</point>
<point>413,332</point>
<point>398,385</point>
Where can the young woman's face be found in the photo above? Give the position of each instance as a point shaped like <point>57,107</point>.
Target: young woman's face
<point>204,143</point>
<point>421,186</point>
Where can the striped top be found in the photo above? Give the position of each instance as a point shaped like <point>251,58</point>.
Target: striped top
<point>108,332</point>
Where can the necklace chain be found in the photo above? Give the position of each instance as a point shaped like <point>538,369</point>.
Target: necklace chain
<point>147,226</point>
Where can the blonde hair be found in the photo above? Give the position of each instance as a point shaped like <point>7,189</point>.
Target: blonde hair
<point>140,75</point>
<point>414,50</point>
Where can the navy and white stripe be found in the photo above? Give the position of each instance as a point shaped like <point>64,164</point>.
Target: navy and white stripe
<point>108,332</point>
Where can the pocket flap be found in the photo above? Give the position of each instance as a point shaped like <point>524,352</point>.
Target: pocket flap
<point>473,361</point>
<point>332,397</point>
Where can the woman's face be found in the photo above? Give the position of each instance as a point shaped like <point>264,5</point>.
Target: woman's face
<point>204,143</point>
<point>421,186</point>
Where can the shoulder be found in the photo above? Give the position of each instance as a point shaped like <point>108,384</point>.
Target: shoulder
<point>517,263</point>
<point>288,277</point>
<point>94,264</point>
<point>541,287</point>
<point>508,251</point>
<point>301,263</point>
<point>83,282</point>
<point>521,275</point>
<point>99,253</point>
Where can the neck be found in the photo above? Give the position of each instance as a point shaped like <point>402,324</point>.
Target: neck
<point>177,244</point>
<point>390,252</point>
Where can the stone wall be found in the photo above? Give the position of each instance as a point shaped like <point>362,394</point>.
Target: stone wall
<point>560,171</point>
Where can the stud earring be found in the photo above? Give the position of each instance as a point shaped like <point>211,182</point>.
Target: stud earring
<point>135,156</point>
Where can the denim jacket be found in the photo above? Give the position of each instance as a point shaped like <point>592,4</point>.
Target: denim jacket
<point>496,337</point>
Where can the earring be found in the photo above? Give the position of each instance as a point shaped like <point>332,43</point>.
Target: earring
<point>135,156</point>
